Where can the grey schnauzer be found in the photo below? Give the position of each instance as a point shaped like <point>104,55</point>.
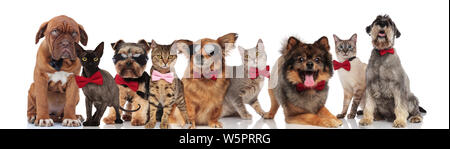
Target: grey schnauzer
<point>388,93</point>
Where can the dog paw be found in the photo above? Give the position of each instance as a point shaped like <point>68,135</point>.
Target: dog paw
<point>150,124</point>
<point>399,123</point>
<point>215,124</point>
<point>109,120</point>
<point>268,116</point>
<point>71,123</point>
<point>365,122</point>
<point>126,117</point>
<point>416,119</point>
<point>340,116</point>
<point>164,126</point>
<point>137,122</point>
<point>351,116</point>
<point>331,123</point>
<point>246,116</point>
<point>44,122</point>
<point>31,119</point>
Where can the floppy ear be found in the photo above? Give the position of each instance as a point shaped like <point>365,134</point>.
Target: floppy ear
<point>117,44</point>
<point>227,41</point>
<point>323,43</point>
<point>78,49</point>
<point>397,32</point>
<point>99,49</point>
<point>83,35</point>
<point>41,31</point>
<point>184,46</point>
<point>144,45</point>
<point>369,29</point>
<point>291,43</point>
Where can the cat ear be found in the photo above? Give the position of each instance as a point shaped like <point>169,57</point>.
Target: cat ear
<point>323,43</point>
<point>260,45</point>
<point>184,46</point>
<point>336,38</point>
<point>354,38</point>
<point>241,50</point>
<point>78,49</point>
<point>99,49</point>
<point>117,44</point>
<point>153,44</point>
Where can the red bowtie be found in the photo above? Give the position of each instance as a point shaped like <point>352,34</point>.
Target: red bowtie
<point>320,86</point>
<point>383,52</point>
<point>346,65</point>
<point>96,78</point>
<point>133,85</point>
<point>255,72</point>
<point>211,75</point>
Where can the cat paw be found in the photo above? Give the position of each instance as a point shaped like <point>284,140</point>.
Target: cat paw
<point>246,116</point>
<point>137,122</point>
<point>215,124</point>
<point>365,122</point>
<point>399,123</point>
<point>44,122</point>
<point>71,122</point>
<point>126,117</point>
<point>339,116</point>
<point>351,116</point>
<point>109,120</point>
<point>416,119</point>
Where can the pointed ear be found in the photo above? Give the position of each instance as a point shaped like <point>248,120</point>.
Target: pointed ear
<point>117,44</point>
<point>144,45</point>
<point>99,49</point>
<point>153,44</point>
<point>83,35</point>
<point>323,43</point>
<point>260,45</point>
<point>354,38</point>
<point>336,38</point>
<point>41,31</point>
<point>241,50</point>
<point>227,41</point>
<point>291,44</point>
<point>78,49</point>
<point>184,46</point>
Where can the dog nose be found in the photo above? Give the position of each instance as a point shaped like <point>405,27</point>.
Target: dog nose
<point>382,23</point>
<point>309,65</point>
<point>65,43</point>
<point>129,63</point>
<point>382,32</point>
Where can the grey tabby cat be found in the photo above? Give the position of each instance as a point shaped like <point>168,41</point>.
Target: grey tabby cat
<point>166,88</point>
<point>247,82</point>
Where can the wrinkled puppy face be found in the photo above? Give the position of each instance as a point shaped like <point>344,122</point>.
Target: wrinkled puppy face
<point>61,33</point>
<point>209,53</point>
<point>130,59</point>
<point>307,63</point>
<point>383,32</point>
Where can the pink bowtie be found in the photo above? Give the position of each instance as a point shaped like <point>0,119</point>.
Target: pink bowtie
<point>255,72</point>
<point>156,75</point>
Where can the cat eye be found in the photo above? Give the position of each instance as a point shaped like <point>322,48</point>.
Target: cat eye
<point>95,59</point>
<point>159,56</point>
<point>84,59</point>
<point>257,54</point>
<point>171,56</point>
<point>246,56</point>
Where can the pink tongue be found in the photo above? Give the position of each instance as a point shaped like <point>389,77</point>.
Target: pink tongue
<point>382,35</point>
<point>309,80</point>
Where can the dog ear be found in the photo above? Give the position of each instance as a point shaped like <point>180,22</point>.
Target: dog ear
<point>117,44</point>
<point>369,29</point>
<point>78,49</point>
<point>323,43</point>
<point>83,35</point>
<point>144,45</point>
<point>227,41</point>
<point>397,32</point>
<point>41,31</point>
<point>184,46</point>
<point>99,49</point>
<point>292,42</point>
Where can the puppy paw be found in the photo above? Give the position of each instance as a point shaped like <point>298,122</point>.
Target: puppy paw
<point>330,123</point>
<point>164,126</point>
<point>71,123</point>
<point>365,122</point>
<point>126,117</point>
<point>31,119</point>
<point>137,122</point>
<point>399,123</point>
<point>339,116</point>
<point>268,115</point>
<point>109,120</point>
<point>150,124</point>
<point>351,116</point>
<point>246,116</point>
<point>44,122</point>
<point>215,124</point>
<point>416,119</point>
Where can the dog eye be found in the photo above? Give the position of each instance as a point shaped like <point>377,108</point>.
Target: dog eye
<point>301,59</point>
<point>124,55</point>
<point>317,59</point>
<point>209,49</point>
<point>74,34</point>
<point>136,55</point>
<point>95,59</point>
<point>55,32</point>
<point>84,59</point>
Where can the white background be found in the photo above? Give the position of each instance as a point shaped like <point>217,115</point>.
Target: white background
<point>423,46</point>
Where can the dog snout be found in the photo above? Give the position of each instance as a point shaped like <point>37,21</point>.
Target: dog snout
<point>382,32</point>
<point>382,23</point>
<point>310,65</point>
<point>128,63</point>
<point>65,43</point>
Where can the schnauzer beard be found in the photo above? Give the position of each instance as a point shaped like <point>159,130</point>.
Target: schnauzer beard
<point>382,43</point>
<point>133,71</point>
